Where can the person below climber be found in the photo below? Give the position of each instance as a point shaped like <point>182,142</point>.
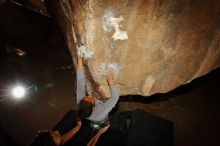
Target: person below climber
<point>53,138</point>
<point>92,109</point>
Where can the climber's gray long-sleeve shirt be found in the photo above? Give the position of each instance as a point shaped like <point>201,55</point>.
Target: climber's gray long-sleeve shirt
<point>102,109</point>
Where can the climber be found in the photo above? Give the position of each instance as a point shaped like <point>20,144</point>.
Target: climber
<point>93,109</point>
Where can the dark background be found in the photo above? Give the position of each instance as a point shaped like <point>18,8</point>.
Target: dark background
<point>46,70</point>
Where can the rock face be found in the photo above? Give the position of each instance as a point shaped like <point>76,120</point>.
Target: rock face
<point>158,44</point>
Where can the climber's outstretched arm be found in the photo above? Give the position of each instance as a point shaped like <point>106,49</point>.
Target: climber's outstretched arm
<point>81,83</point>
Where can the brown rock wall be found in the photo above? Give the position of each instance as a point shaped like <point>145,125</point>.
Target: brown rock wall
<point>158,44</point>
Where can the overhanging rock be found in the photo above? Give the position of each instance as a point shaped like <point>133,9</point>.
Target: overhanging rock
<point>159,45</point>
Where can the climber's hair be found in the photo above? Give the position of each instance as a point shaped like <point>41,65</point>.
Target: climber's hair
<point>84,109</point>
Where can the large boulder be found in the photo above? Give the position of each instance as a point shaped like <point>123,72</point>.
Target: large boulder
<point>157,44</point>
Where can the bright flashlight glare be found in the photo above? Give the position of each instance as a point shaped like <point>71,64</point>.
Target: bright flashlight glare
<point>18,92</point>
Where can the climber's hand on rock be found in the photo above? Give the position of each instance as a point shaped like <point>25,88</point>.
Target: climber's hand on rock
<point>80,63</point>
<point>110,76</point>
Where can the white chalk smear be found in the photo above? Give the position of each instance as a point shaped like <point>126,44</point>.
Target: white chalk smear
<point>109,22</point>
<point>119,34</point>
<point>104,67</point>
<point>115,67</point>
<point>106,23</point>
<point>85,52</point>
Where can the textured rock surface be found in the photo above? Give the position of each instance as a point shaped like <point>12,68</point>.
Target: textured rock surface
<point>158,44</point>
